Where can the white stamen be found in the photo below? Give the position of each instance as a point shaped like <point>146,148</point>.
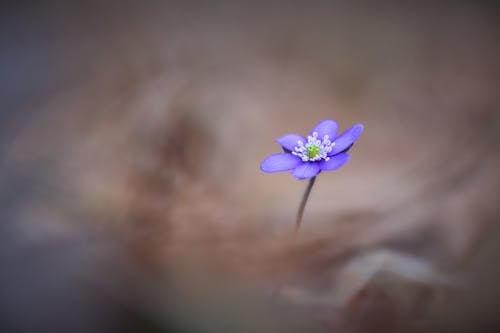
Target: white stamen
<point>325,146</point>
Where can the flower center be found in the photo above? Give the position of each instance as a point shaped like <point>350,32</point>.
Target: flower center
<point>314,149</point>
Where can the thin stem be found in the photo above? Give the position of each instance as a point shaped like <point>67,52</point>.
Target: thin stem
<point>305,196</point>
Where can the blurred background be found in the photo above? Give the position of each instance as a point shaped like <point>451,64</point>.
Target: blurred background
<point>131,198</point>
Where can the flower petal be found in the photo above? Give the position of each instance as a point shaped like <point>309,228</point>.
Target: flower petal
<point>306,170</point>
<point>289,141</point>
<point>326,127</point>
<point>280,162</point>
<point>347,138</point>
<point>334,162</point>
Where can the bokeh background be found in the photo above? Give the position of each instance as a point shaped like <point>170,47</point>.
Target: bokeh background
<point>131,198</point>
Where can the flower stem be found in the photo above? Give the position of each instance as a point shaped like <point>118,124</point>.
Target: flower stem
<point>305,196</point>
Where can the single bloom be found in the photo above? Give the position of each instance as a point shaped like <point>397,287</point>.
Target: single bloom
<point>322,150</point>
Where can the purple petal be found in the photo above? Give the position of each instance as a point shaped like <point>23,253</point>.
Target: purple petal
<point>280,162</point>
<point>334,162</point>
<point>326,127</point>
<point>289,141</point>
<point>343,141</point>
<point>306,170</point>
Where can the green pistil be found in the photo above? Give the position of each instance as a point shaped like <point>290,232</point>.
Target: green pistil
<point>313,151</point>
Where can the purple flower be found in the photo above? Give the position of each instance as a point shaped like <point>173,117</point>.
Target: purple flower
<point>322,150</point>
